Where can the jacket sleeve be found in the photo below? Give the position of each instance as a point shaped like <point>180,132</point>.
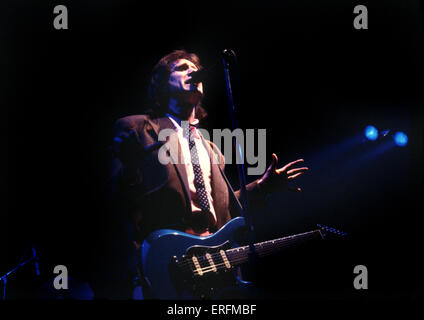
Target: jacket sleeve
<point>255,194</point>
<point>129,171</point>
<point>124,185</point>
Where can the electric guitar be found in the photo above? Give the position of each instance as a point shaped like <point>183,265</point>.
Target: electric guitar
<point>178,265</point>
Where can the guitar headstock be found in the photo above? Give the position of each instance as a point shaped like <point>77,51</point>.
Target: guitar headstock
<point>325,230</point>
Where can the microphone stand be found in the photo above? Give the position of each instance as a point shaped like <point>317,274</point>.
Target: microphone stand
<point>4,278</point>
<point>227,57</point>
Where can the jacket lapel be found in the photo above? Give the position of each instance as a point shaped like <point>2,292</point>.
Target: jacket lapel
<point>176,156</point>
<point>219,189</point>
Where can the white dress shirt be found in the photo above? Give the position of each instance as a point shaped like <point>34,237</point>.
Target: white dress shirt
<point>205,165</point>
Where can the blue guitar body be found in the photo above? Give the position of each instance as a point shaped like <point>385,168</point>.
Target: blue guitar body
<point>167,262</point>
<point>178,265</point>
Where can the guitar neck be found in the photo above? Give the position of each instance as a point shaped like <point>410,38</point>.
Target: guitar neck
<point>239,255</point>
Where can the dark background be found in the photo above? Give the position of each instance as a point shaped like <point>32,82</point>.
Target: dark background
<point>305,74</point>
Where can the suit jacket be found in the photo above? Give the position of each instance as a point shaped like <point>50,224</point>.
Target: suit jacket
<point>156,196</point>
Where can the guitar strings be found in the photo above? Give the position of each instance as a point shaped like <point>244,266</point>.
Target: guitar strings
<point>280,242</point>
<point>237,258</point>
<point>234,261</point>
<point>235,251</point>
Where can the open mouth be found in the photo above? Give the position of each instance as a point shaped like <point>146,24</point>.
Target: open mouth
<point>187,81</point>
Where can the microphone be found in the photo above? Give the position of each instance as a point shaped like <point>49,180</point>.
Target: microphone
<point>228,54</point>
<point>202,74</point>
<point>37,267</point>
<point>198,76</point>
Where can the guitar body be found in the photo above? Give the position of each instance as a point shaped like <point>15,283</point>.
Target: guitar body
<point>178,265</point>
<point>167,262</point>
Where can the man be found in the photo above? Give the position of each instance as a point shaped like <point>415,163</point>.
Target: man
<point>190,194</point>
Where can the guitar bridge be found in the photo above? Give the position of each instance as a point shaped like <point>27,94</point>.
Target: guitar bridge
<point>202,270</point>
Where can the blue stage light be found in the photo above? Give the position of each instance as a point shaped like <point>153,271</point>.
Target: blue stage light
<point>401,139</point>
<point>371,133</point>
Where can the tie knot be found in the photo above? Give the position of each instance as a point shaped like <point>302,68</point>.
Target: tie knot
<point>193,132</point>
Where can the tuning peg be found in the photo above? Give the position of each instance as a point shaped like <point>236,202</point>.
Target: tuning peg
<point>332,230</point>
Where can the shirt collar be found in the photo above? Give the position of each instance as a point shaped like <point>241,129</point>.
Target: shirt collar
<point>177,124</point>
<point>175,121</point>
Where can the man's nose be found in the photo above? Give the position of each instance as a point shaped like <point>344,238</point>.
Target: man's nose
<point>190,73</point>
<point>191,70</point>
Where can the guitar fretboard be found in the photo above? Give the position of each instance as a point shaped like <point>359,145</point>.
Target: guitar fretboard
<point>239,255</point>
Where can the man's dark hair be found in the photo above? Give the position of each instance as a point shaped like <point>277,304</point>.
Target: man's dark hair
<point>158,90</point>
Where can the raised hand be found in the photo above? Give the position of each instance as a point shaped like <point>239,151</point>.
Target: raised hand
<point>278,179</point>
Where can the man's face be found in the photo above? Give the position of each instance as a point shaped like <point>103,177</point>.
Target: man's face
<point>180,72</point>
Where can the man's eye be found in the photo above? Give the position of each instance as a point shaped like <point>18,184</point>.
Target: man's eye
<point>181,68</point>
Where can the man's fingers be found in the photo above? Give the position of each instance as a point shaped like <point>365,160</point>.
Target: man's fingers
<point>295,189</point>
<point>292,171</point>
<point>289,165</point>
<point>295,175</point>
<point>274,160</point>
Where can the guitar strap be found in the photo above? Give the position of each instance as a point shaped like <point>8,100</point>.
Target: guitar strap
<point>233,194</point>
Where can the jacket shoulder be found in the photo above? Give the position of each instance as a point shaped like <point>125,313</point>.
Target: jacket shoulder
<point>132,122</point>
